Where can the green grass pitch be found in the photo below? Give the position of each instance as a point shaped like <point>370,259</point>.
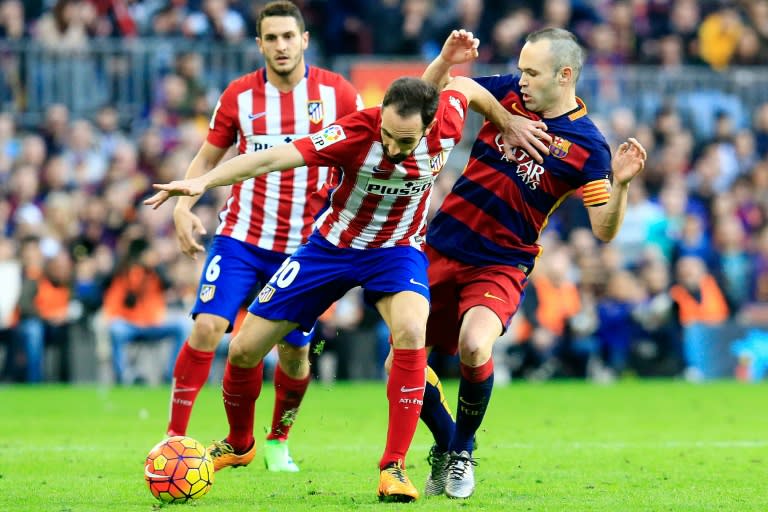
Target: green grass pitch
<point>563,446</point>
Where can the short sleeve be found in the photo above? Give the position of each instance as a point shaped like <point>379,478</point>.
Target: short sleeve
<point>499,85</point>
<point>223,127</point>
<point>452,114</point>
<point>337,144</point>
<point>350,100</point>
<point>597,169</point>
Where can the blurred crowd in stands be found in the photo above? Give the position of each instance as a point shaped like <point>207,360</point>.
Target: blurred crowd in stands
<point>716,32</point>
<point>681,292</point>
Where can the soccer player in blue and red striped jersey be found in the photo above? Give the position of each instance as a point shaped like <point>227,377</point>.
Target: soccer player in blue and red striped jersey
<point>482,243</point>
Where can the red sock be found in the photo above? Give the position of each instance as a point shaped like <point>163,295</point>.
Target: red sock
<point>288,395</point>
<point>189,376</point>
<point>405,392</point>
<point>475,374</point>
<point>240,389</point>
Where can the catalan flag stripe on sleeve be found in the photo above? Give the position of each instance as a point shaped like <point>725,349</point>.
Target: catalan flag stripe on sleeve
<point>597,192</point>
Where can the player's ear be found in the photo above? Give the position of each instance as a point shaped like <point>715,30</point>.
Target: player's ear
<point>429,127</point>
<point>304,40</point>
<point>565,74</point>
<point>258,43</point>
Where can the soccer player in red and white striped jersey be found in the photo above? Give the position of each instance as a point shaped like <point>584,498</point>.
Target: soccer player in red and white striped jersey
<point>370,236</point>
<point>265,218</point>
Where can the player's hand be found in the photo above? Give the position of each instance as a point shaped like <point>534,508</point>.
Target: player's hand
<point>187,226</point>
<point>527,134</point>
<point>628,161</point>
<point>460,47</point>
<point>192,187</point>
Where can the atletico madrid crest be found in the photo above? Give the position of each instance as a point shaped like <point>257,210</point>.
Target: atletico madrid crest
<point>207,291</point>
<point>436,162</point>
<point>266,293</point>
<point>559,147</point>
<point>315,111</point>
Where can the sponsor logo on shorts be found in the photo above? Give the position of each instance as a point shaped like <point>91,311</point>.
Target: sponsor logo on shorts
<point>266,293</point>
<point>207,291</point>
<point>489,295</point>
<point>413,281</point>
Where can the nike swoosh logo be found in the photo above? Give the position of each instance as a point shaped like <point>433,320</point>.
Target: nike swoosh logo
<point>468,403</point>
<point>253,117</point>
<point>489,295</point>
<point>183,390</point>
<point>413,281</point>
<point>150,474</point>
<point>404,389</point>
<point>519,111</point>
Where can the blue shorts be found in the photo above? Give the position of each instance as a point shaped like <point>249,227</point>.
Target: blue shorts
<point>319,273</point>
<point>233,273</point>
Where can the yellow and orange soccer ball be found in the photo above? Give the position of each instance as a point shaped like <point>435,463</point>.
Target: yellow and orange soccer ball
<point>178,469</point>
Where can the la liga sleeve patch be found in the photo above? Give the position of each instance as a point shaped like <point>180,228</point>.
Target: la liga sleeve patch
<point>327,137</point>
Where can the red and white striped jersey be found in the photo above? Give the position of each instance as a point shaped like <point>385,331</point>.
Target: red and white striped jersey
<point>379,203</point>
<point>276,211</point>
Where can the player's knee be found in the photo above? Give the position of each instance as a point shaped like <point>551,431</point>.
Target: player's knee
<point>294,361</point>
<point>409,335</point>
<point>207,332</point>
<point>474,351</point>
<point>241,356</point>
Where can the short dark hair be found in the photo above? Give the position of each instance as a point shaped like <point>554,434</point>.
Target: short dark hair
<point>280,8</point>
<point>565,48</point>
<point>412,96</point>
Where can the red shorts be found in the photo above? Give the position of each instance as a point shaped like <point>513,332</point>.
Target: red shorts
<point>456,287</point>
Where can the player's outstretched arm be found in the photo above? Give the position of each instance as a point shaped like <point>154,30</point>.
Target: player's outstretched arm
<point>628,162</point>
<point>237,169</point>
<point>517,131</point>
<point>188,225</point>
<point>460,47</point>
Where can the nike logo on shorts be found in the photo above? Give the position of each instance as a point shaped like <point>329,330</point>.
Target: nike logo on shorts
<point>413,281</point>
<point>489,295</point>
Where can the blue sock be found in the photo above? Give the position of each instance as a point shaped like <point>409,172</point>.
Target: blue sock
<point>435,412</point>
<point>473,401</point>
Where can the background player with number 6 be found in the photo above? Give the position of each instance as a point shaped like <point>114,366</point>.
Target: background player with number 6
<point>264,219</point>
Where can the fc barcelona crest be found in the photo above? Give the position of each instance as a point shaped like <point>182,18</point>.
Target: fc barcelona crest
<point>315,111</point>
<point>207,291</point>
<point>266,293</point>
<point>559,147</point>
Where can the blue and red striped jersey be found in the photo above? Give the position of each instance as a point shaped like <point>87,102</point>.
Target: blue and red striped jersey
<point>499,206</point>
